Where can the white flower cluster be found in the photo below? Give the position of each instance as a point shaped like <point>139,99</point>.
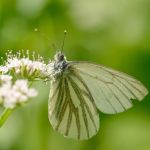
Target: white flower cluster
<point>49,70</point>
<point>15,94</point>
<point>24,66</point>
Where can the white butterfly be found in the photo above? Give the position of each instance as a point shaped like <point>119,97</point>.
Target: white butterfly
<point>80,89</point>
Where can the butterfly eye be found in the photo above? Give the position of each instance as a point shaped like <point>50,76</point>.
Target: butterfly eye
<point>61,57</point>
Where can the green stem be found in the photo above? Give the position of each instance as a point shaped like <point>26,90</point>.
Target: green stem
<point>5,114</point>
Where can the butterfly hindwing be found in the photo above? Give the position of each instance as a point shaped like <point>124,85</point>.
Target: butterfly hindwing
<point>72,110</point>
<point>111,90</point>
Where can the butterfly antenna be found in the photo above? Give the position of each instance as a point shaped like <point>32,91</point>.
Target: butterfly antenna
<point>54,46</point>
<point>43,35</point>
<point>63,43</point>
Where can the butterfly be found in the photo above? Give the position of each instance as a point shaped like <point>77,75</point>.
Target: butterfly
<point>79,90</point>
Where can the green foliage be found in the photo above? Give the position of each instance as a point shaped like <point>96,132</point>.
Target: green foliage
<point>114,33</point>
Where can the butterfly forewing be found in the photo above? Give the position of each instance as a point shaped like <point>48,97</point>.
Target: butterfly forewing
<point>111,90</point>
<point>72,110</point>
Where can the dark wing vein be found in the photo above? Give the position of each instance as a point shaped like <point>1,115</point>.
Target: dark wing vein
<point>57,89</point>
<point>76,113</point>
<point>105,83</point>
<point>69,120</point>
<point>130,91</point>
<point>94,77</point>
<point>117,98</point>
<point>83,101</point>
<point>127,80</point>
<point>61,112</point>
<point>59,98</point>
<point>115,77</point>
<point>86,87</point>
<point>81,98</point>
<point>130,83</point>
<point>72,110</point>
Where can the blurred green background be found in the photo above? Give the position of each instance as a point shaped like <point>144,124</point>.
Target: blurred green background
<point>113,33</point>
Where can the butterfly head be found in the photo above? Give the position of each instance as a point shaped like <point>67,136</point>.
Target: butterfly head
<point>59,64</point>
<point>59,56</point>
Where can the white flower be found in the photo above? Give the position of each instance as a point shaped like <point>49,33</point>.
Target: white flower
<point>3,69</point>
<point>21,85</point>
<point>5,78</point>
<point>26,61</point>
<point>25,67</point>
<point>17,94</point>
<point>50,68</point>
<point>13,63</point>
<point>49,71</point>
<point>5,89</point>
<point>10,100</point>
<point>32,93</point>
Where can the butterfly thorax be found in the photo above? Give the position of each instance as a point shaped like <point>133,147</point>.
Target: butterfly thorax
<point>58,65</point>
<point>60,62</point>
